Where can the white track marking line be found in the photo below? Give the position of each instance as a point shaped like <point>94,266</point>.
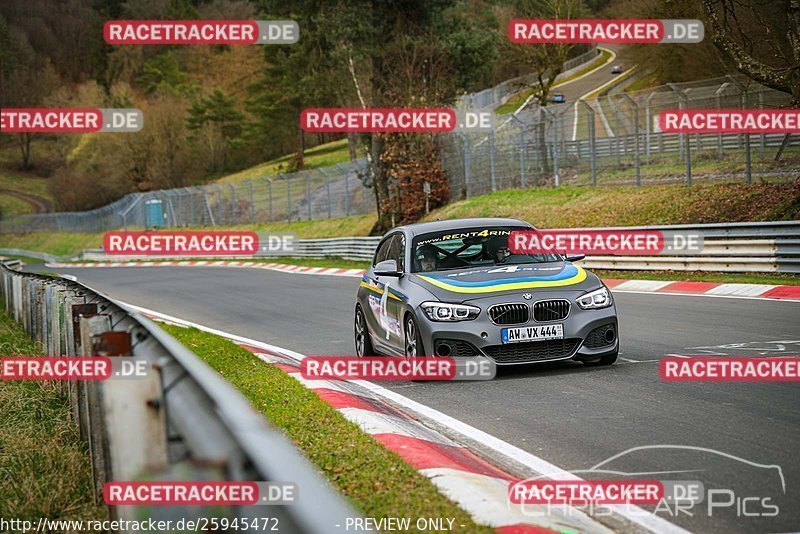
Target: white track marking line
<point>575,105</point>
<point>634,514</point>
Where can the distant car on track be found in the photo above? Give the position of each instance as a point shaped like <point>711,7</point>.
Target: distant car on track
<point>616,69</point>
<point>558,98</point>
<point>452,288</point>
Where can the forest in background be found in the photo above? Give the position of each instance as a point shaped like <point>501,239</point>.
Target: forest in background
<point>212,110</point>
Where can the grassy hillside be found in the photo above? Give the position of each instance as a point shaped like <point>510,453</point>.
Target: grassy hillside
<point>569,206</point>
<point>319,156</point>
<point>33,187</point>
<point>580,206</point>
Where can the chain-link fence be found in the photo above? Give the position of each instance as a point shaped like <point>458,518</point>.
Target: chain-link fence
<point>336,191</point>
<point>500,93</point>
<point>615,139</point>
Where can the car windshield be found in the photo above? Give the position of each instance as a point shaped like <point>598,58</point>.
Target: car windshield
<point>469,247</point>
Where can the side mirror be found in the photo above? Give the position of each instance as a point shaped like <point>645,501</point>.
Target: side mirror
<point>574,257</point>
<point>387,268</point>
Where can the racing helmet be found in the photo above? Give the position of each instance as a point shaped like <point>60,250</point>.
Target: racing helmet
<point>427,254</point>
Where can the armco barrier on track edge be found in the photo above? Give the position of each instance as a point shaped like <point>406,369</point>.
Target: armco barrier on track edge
<point>127,431</point>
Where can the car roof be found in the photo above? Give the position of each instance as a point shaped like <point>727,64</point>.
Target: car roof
<point>455,224</point>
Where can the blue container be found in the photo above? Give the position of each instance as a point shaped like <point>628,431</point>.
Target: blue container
<point>154,213</point>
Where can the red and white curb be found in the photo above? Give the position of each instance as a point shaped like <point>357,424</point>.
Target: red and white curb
<point>706,289</point>
<point>476,485</point>
<point>281,267</point>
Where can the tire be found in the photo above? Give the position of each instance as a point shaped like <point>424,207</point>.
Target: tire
<point>361,335</point>
<point>412,344</point>
<point>608,359</point>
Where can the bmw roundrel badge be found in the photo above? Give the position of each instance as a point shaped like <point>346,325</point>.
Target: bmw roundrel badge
<point>527,296</point>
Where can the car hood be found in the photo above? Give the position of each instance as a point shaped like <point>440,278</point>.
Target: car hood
<point>472,283</point>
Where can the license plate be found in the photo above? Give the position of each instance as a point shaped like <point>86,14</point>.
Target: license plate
<point>533,333</point>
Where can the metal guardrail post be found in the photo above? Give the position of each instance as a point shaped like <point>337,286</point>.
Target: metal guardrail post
<point>521,126</point>
<point>492,168</point>
<point>688,156</point>
<point>467,164</point>
<point>327,189</point>
<point>252,202</point>
<point>220,218</point>
<point>592,140</point>
<point>546,113</point>
<point>287,180</point>
<point>648,126</point>
<point>744,102</point>
<point>635,106</point>
<point>347,192</point>
<point>90,411</point>
<point>268,181</point>
<point>233,204</point>
<point>365,196</point>
<point>308,194</point>
<point>718,97</point>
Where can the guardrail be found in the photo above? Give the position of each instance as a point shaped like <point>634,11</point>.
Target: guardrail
<point>729,247</point>
<point>182,422</point>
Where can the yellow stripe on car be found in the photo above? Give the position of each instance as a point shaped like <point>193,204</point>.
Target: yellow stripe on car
<point>379,291</point>
<point>579,277</point>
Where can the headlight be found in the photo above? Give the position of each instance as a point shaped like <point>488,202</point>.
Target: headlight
<point>442,311</point>
<point>599,298</point>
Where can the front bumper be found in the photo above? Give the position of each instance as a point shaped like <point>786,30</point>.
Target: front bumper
<point>586,337</point>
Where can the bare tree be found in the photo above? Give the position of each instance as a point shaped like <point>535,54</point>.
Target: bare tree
<point>761,38</point>
<point>545,60</point>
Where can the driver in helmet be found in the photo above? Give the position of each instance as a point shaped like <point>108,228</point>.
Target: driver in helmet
<point>497,248</point>
<point>427,258</point>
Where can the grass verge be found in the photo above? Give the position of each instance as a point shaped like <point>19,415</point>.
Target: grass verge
<point>376,480</point>
<point>67,244</point>
<point>44,467</point>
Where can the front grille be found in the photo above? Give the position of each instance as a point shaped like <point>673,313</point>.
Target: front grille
<point>509,313</point>
<point>459,348</point>
<point>550,310</point>
<point>533,351</point>
<point>597,337</point>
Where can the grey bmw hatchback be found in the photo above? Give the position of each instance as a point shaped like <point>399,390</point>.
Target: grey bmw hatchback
<point>453,288</point>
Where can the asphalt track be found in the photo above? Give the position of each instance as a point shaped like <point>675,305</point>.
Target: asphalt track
<point>568,414</point>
